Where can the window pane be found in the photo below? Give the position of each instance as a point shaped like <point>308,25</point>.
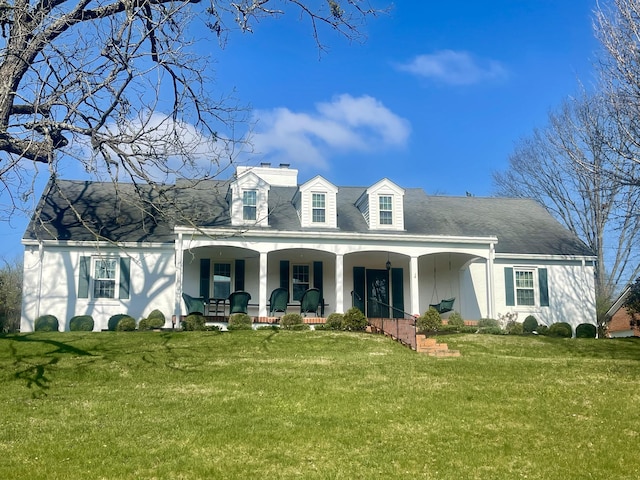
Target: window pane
<point>524,287</point>
<point>386,210</point>
<point>318,203</point>
<point>318,200</point>
<point>249,202</point>
<point>221,280</point>
<point>318,215</point>
<point>300,281</point>
<point>104,283</point>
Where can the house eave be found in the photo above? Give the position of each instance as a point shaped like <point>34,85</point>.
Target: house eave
<point>544,257</point>
<point>96,244</point>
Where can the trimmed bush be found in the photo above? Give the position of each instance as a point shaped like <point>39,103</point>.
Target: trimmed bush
<point>290,321</point>
<point>156,319</point>
<point>46,323</point>
<point>354,320</point>
<point>586,330</point>
<point>491,330</point>
<point>81,323</point>
<point>488,323</point>
<point>455,320</point>
<point>126,324</point>
<point>113,321</point>
<point>530,324</point>
<point>542,330</point>
<point>514,328</point>
<point>560,329</point>
<point>240,321</point>
<point>193,322</point>
<point>334,321</point>
<point>143,324</point>
<point>429,321</point>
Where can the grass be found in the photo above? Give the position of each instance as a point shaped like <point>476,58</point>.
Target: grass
<point>202,405</point>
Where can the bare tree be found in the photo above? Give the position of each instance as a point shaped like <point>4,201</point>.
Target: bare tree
<point>566,167</point>
<point>10,295</point>
<point>115,86</point>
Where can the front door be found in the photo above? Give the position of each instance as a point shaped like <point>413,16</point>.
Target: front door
<point>377,294</point>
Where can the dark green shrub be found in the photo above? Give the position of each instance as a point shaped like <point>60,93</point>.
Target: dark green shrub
<point>354,320</point>
<point>46,323</point>
<point>113,321</point>
<point>488,323</point>
<point>156,319</point>
<point>514,328</point>
<point>81,323</point>
<point>240,321</point>
<point>542,330</point>
<point>299,327</point>
<point>468,329</point>
<point>193,322</point>
<point>560,329</point>
<point>334,321</point>
<point>455,320</point>
<point>429,321</point>
<point>289,321</point>
<point>491,330</point>
<point>126,324</point>
<point>586,330</point>
<point>530,324</point>
<point>143,324</point>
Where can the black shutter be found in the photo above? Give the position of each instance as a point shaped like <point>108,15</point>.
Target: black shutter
<point>284,274</point>
<point>397,289</point>
<point>544,287</point>
<point>358,288</point>
<point>317,283</point>
<point>84,277</point>
<point>239,282</point>
<point>125,264</point>
<point>205,277</point>
<point>508,285</point>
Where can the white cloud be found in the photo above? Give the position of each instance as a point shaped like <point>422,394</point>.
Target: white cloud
<point>346,124</point>
<point>455,68</point>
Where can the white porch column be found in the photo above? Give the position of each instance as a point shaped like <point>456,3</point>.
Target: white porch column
<point>491,299</point>
<point>414,286</point>
<point>339,283</point>
<point>262,290</point>
<point>178,283</point>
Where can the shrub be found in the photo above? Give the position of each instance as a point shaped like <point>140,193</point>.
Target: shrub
<point>429,321</point>
<point>193,322</point>
<point>530,324</point>
<point>289,321</point>
<point>334,321</point>
<point>491,330</point>
<point>586,330</point>
<point>488,323</point>
<point>114,320</point>
<point>81,323</point>
<point>354,320</point>
<point>455,320</point>
<point>560,329</point>
<point>143,324</point>
<point>46,323</point>
<point>126,324</point>
<point>542,330</point>
<point>156,319</point>
<point>468,329</point>
<point>514,328</point>
<point>240,321</point>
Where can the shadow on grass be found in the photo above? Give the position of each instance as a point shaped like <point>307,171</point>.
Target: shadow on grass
<point>33,367</point>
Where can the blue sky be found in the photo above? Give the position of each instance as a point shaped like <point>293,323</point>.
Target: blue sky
<point>435,97</point>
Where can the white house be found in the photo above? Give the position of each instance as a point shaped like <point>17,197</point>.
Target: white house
<point>98,249</point>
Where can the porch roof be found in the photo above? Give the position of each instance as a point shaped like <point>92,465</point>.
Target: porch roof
<point>522,226</point>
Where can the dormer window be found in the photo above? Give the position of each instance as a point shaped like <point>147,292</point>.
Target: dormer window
<point>386,209</point>
<point>249,204</point>
<point>318,201</point>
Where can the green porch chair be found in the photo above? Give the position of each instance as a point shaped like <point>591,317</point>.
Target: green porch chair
<point>444,306</point>
<point>239,302</point>
<point>310,302</point>
<point>278,301</point>
<point>195,305</point>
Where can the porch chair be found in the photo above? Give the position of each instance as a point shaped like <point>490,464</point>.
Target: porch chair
<point>278,301</point>
<point>444,306</point>
<point>239,302</point>
<point>195,305</point>
<point>310,302</point>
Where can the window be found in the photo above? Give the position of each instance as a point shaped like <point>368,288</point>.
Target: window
<point>386,209</point>
<point>300,281</point>
<point>318,205</point>
<point>221,280</point>
<point>104,278</point>
<point>524,287</point>
<point>249,204</point>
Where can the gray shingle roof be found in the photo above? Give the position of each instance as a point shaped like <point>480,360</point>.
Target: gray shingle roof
<point>140,214</point>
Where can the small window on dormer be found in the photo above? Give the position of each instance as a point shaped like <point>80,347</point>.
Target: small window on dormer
<point>249,204</point>
<point>386,209</point>
<point>318,201</point>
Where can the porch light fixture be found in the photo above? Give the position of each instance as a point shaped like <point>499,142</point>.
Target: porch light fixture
<point>388,264</point>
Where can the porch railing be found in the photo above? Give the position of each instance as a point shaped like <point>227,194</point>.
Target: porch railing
<point>401,329</point>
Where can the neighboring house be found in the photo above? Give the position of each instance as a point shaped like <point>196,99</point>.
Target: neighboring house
<point>619,319</point>
<point>387,250</point>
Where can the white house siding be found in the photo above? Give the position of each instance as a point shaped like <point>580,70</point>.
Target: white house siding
<point>55,281</point>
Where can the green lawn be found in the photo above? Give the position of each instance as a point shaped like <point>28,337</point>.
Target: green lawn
<point>202,405</point>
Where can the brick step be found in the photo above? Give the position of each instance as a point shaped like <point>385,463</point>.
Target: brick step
<point>431,347</point>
